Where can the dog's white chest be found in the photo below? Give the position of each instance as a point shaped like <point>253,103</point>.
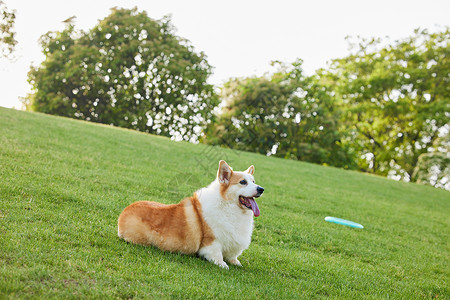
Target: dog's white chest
<point>233,229</point>
<point>232,226</point>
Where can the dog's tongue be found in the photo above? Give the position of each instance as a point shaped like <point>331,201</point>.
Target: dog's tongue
<point>255,207</point>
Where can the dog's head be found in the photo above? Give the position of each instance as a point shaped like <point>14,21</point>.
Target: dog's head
<point>239,186</point>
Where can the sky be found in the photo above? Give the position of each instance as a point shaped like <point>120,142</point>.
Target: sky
<point>240,38</point>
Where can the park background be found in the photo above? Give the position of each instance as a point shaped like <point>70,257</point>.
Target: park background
<point>379,106</point>
<point>281,80</point>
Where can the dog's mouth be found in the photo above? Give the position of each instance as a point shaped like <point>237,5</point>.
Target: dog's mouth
<point>250,203</point>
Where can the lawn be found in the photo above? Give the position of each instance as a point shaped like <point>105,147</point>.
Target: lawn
<point>63,184</point>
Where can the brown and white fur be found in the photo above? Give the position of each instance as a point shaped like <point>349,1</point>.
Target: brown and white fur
<point>216,222</point>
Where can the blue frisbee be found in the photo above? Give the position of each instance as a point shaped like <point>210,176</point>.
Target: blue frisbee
<point>343,222</point>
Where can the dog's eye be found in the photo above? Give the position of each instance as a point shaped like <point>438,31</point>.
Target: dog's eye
<point>243,182</point>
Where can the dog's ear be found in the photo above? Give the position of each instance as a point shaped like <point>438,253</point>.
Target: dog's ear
<point>251,170</point>
<point>224,173</point>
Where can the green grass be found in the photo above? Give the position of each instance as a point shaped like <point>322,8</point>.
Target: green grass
<point>63,183</point>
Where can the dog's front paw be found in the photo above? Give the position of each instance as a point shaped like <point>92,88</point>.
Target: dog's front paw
<point>222,264</point>
<point>235,262</point>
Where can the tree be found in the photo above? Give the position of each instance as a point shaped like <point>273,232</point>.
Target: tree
<point>396,99</point>
<point>433,167</point>
<point>7,33</point>
<point>129,71</point>
<point>286,114</point>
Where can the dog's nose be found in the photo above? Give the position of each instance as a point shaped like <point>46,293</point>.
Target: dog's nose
<point>260,189</point>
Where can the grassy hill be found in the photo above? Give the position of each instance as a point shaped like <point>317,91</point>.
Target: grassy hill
<point>63,184</point>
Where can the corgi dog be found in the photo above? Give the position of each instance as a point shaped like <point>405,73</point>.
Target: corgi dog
<point>216,222</point>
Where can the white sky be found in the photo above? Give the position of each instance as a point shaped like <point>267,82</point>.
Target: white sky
<point>240,38</point>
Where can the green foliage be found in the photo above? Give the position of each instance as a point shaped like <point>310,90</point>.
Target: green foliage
<point>380,109</point>
<point>433,167</point>
<point>63,184</point>
<point>7,33</point>
<point>396,99</point>
<point>129,71</point>
<point>285,114</point>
